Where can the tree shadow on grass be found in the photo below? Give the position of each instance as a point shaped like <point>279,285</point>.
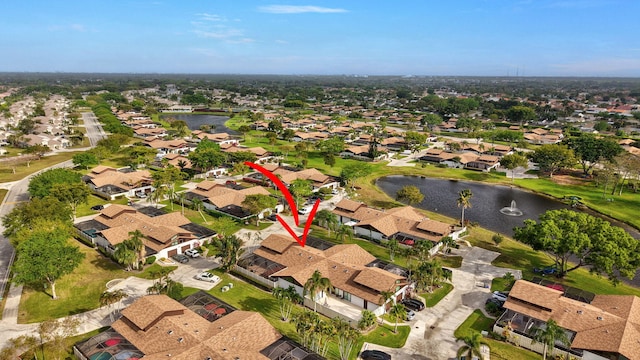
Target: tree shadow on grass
<point>262,305</point>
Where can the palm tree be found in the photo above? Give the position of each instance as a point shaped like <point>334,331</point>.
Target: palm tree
<point>393,247</point>
<point>181,196</point>
<point>549,334</point>
<point>125,255</point>
<point>397,311</point>
<point>327,219</point>
<point>385,296</point>
<point>464,201</point>
<point>158,194</point>
<point>136,243</point>
<point>447,242</point>
<point>198,204</point>
<point>367,319</point>
<point>229,249</point>
<point>344,231</point>
<point>317,284</point>
<point>286,297</point>
<point>346,336</point>
<point>471,347</point>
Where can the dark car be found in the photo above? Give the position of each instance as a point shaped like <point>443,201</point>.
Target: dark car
<point>97,207</point>
<point>181,258</point>
<point>374,355</point>
<point>413,304</point>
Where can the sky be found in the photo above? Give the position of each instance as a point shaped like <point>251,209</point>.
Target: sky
<point>325,37</point>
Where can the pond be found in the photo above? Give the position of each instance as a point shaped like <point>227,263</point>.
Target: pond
<point>440,196</point>
<point>194,121</point>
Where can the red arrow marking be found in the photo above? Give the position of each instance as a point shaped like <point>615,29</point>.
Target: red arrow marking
<point>292,205</point>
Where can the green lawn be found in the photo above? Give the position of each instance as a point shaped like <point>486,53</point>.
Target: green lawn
<point>151,272</point>
<point>22,170</point>
<point>77,292</point>
<point>246,296</point>
<point>477,322</point>
<point>431,299</point>
<point>450,261</point>
<point>92,200</point>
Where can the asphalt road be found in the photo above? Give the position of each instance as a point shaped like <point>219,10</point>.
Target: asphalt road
<point>18,193</point>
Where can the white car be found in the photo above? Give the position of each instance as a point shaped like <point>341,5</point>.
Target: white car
<point>207,276</point>
<point>498,295</point>
<point>305,210</point>
<point>193,253</point>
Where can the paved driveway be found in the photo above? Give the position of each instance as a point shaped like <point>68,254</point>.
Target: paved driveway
<point>185,273</point>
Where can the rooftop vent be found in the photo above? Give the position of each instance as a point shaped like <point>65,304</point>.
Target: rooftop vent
<point>579,311</point>
<point>599,318</point>
<point>180,340</point>
<point>170,332</point>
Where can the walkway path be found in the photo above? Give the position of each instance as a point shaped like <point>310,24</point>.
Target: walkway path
<point>431,336</point>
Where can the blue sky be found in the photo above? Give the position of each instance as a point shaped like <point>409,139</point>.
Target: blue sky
<point>374,37</point>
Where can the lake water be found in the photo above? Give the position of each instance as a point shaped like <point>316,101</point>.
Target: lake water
<point>194,121</point>
<point>440,196</point>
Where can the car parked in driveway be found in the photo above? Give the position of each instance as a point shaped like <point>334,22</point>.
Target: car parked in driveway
<point>500,295</point>
<point>413,304</point>
<point>374,355</point>
<point>193,253</point>
<point>207,276</point>
<point>305,210</point>
<point>181,258</point>
<point>410,315</point>
<point>97,207</point>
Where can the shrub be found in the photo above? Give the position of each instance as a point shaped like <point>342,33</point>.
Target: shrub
<point>150,260</point>
<point>497,238</point>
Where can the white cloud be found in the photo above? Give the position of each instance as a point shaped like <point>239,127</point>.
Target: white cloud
<point>298,9</point>
<point>212,26</point>
<point>211,17</point>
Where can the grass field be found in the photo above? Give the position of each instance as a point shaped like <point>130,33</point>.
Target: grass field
<point>77,292</point>
<point>433,298</point>
<point>22,170</point>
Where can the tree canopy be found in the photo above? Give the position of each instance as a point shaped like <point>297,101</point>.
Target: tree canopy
<point>256,203</point>
<point>590,150</point>
<point>410,194</point>
<point>44,257</point>
<point>41,184</point>
<point>584,240</point>
<point>25,215</point>
<point>553,157</point>
<point>353,171</point>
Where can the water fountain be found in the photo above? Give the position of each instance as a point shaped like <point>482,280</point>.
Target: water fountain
<point>511,210</point>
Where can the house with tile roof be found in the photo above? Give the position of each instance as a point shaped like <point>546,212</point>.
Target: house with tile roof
<point>111,183</point>
<point>401,223</point>
<point>607,327</point>
<point>199,327</point>
<point>226,199</point>
<point>357,277</point>
<point>165,234</point>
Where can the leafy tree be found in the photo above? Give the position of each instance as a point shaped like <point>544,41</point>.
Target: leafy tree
<point>553,157</point>
<point>472,346</point>
<point>513,161</point>
<point>352,172</point>
<point>244,129</point>
<point>497,239</point>
<point>584,240</point>
<point>590,150</point>
<point>317,284</point>
<point>300,189</point>
<point>415,140</point>
<point>397,311</point>
<point>85,159</point>
<point>228,249</point>
<point>241,157</point>
<point>288,134</point>
<point>37,149</point>
<point>72,194</point>
<point>548,335</point>
<point>44,258</point>
<point>56,334</point>
<point>464,202</point>
<point>207,158</point>
<point>41,184</point>
<point>139,155</point>
<point>410,194</point>
<point>26,215</point>
<point>468,124</point>
<point>333,146</point>
<point>275,126</point>
<point>256,203</point>
<point>329,159</point>
<point>521,114</point>
<point>431,120</point>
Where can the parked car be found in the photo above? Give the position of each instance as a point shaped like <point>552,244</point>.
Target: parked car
<point>500,295</point>
<point>500,303</point>
<point>413,304</point>
<point>374,355</point>
<point>97,207</point>
<point>305,210</point>
<point>409,242</point>
<point>410,315</point>
<point>272,217</point>
<point>207,276</point>
<point>193,253</point>
<point>181,258</point>
<point>141,195</point>
<point>549,270</point>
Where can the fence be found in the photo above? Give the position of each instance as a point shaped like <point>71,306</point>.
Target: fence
<point>255,277</point>
<point>329,312</point>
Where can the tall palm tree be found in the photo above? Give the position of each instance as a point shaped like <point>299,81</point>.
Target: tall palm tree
<point>198,204</point>
<point>397,311</point>
<point>327,219</point>
<point>385,296</point>
<point>393,247</point>
<point>346,336</point>
<point>158,194</point>
<point>136,243</point>
<point>181,196</point>
<point>317,284</point>
<point>471,347</point>
<point>229,249</point>
<point>464,201</point>
<point>286,298</point>
<point>125,255</point>
<point>549,334</point>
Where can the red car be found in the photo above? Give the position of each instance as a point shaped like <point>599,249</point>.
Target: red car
<point>409,242</point>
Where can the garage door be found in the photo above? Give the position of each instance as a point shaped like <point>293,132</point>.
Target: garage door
<point>172,252</point>
<point>185,248</point>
